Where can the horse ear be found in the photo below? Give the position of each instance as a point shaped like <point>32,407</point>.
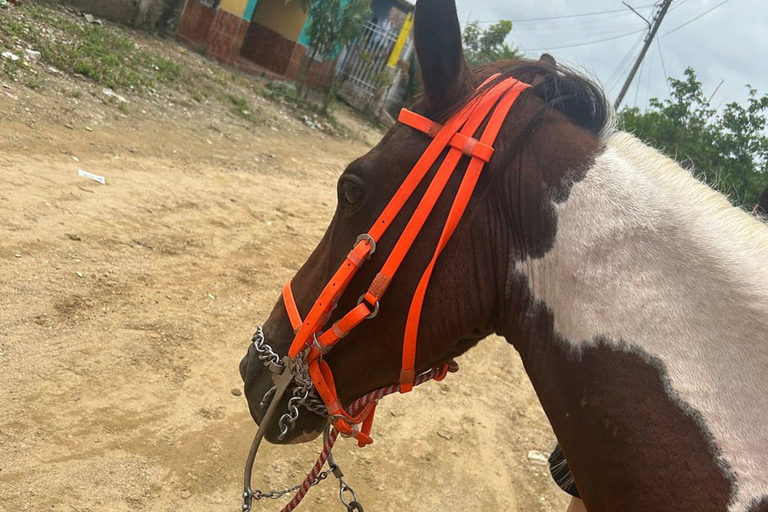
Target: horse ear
<point>437,36</point>
<point>548,60</point>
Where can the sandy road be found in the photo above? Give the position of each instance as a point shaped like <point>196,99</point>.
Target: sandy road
<point>125,308</point>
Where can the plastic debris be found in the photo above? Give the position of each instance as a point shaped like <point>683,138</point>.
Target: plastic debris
<point>91,176</point>
<point>91,19</point>
<point>112,94</point>
<point>31,55</point>
<point>537,457</point>
<point>9,55</point>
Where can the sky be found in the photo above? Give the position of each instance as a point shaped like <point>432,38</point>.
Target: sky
<point>728,45</point>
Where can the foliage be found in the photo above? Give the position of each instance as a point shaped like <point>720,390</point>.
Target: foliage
<point>287,95</point>
<point>333,25</point>
<point>728,148</point>
<point>91,50</point>
<point>489,45</point>
<point>241,107</point>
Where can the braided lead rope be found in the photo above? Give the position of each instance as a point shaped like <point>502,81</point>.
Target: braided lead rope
<point>374,396</point>
<point>312,475</point>
<point>356,406</point>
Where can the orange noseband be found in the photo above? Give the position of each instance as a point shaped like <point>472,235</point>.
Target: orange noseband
<point>458,134</point>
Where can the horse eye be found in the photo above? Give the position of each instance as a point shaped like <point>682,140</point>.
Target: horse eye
<point>352,193</point>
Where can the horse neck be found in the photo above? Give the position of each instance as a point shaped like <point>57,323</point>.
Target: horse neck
<point>661,287</point>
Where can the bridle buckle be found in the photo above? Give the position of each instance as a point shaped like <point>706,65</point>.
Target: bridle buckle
<point>371,242</point>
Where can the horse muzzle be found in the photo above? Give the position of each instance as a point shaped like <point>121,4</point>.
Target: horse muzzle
<point>292,422</point>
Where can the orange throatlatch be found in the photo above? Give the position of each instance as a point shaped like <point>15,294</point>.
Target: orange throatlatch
<point>458,134</point>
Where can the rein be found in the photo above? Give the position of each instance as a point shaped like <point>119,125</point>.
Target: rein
<point>311,342</point>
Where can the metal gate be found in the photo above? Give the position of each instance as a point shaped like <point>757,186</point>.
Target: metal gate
<point>363,70</point>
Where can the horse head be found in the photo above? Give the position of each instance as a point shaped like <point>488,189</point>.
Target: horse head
<point>472,292</point>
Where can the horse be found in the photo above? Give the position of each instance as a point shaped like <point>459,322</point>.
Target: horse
<point>635,295</point>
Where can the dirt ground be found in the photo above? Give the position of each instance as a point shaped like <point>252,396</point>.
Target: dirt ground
<point>126,307</point>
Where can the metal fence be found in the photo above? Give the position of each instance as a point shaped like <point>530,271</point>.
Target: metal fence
<point>363,69</point>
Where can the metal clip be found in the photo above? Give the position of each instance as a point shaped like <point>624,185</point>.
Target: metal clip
<point>375,307</point>
<point>352,505</point>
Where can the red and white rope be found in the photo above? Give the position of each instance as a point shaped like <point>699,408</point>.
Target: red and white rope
<point>356,406</point>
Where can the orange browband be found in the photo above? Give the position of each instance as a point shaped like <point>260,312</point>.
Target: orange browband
<point>458,135</point>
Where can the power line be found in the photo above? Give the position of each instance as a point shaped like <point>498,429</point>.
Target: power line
<point>658,17</point>
<point>579,27</point>
<point>564,17</point>
<point>664,66</point>
<point>623,66</point>
<point>639,82</point>
<point>648,81</point>
<point>681,2</point>
<point>696,18</point>
<point>584,44</point>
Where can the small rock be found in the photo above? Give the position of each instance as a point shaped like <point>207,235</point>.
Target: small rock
<point>537,457</point>
<point>185,494</point>
<point>79,274</point>
<point>445,434</point>
<point>237,391</point>
<point>74,237</point>
<point>88,129</point>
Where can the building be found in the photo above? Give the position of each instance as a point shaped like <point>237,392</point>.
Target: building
<point>270,35</point>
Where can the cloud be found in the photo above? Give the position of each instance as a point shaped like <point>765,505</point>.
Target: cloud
<point>728,44</point>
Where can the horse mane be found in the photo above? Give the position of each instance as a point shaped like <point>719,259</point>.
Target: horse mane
<point>561,88</point>
<point>762,204</point>
<point>703,202</point>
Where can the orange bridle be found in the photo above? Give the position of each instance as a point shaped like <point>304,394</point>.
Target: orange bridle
<point>458,135</point>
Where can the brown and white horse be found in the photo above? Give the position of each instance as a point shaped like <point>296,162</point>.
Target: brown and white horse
<point>636,296</point>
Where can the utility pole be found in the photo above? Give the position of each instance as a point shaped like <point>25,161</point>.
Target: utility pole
<point>653,27</point>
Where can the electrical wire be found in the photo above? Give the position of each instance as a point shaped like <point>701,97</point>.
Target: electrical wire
<point>648,81</point>
<point>567,16</point>
<point>623,65</point>
<point>639,81</point>
<point>664,66</point>
<point>676,5</point>
<point>585,43</point>
<point>696,18</point>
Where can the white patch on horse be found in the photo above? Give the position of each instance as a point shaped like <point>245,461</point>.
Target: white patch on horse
<point>646,254</point>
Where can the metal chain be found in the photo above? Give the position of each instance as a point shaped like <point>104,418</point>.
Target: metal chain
<point>288,420</point>
<point>275,494</point>
<point>312,402</point>
<point>266,354</point>
<point>304,394</point>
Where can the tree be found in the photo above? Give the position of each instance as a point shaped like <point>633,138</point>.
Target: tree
<point>489,45</point>
<point>728,149</point>
<point>333,25</point>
